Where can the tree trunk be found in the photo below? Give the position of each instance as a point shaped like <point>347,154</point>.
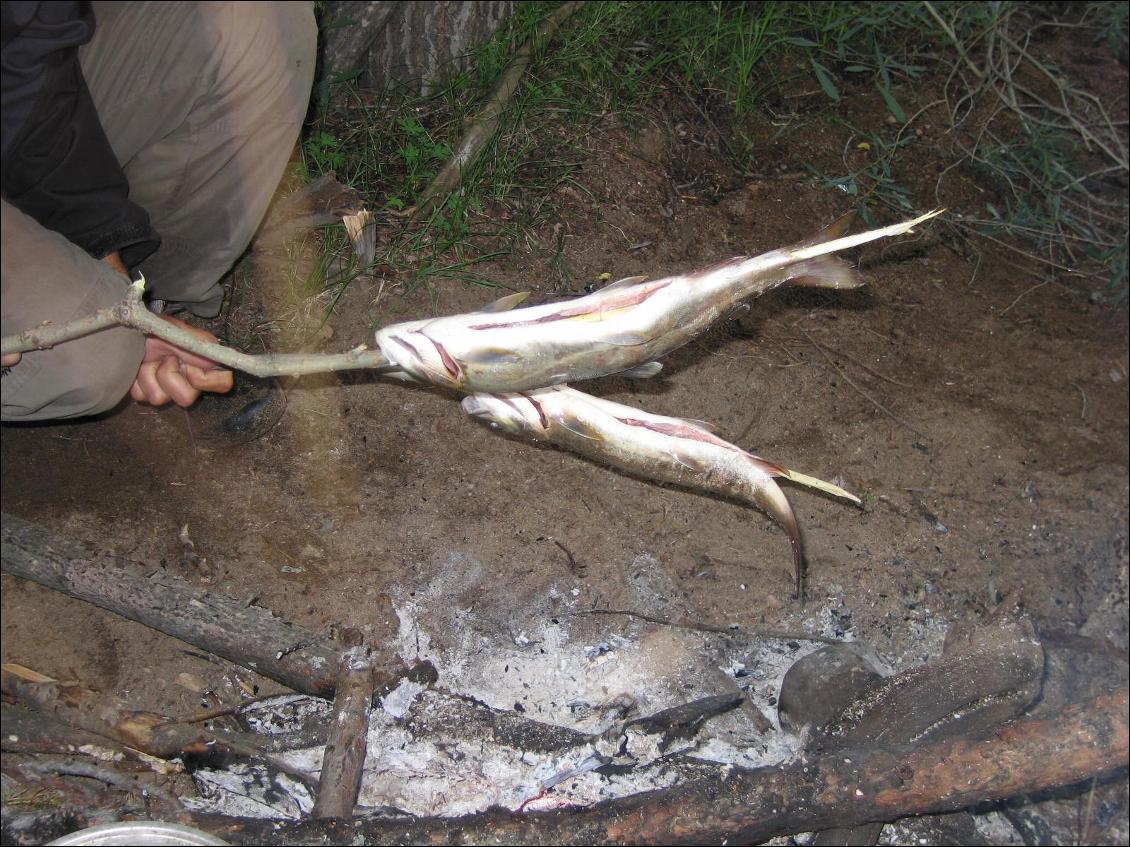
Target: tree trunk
<point>415,43</point>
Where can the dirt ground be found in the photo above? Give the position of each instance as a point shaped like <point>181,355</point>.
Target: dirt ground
<point>976,403</point>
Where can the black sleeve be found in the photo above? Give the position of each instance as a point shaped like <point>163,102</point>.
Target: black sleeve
<point>58,166</point>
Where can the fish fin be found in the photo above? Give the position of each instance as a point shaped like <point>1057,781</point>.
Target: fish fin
<point>626,339</point>
<point>492,356</point>
<point>578,427</point>
<point>403,376</point>
<point>625,282</point>
<point>836,229</point>
<point>824,272</point>
<point>819,485</point>
<point>505,304</point>
<point>773,501</point>
<point>644,371</point>
<point>690,462</point>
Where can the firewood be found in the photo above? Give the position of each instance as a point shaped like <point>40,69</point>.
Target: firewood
<point>843,788</point>
<point>239,632</point>
<point>344,759</point>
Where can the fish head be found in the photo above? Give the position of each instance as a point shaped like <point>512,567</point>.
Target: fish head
<point>514,414</point>
<point>409,347</point>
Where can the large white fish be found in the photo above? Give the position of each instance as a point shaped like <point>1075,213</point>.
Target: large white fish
<point>625,326</point>
<point>653,446</point>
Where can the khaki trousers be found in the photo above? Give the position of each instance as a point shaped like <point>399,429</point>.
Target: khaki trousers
<point>202,104</point>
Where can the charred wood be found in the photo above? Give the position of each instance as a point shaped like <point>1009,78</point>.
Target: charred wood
<point>343,762</point>
<point>845,788</point>
<point>241,633</point>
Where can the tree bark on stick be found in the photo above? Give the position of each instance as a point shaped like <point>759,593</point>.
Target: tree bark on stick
<point>343,761</point>
<point>247,635</point>
<point>847,787</point>
<point>133,314</point>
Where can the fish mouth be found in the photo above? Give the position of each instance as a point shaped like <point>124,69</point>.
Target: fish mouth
<point>475,407</point>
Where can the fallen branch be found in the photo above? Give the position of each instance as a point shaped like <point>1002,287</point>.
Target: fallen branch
<point>846,787</point>
<point>24,730</point>
<point>241,633</point>
<point>343,762</point>
<point>471,146</point>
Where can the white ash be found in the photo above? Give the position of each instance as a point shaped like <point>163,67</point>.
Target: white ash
<point>582,677</point>
<point>398,701</point>
<point>285,713</point>
<point>250,791</point>
<point>997,829</point>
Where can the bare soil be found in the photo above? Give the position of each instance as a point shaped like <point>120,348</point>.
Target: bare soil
<point>976,403</point>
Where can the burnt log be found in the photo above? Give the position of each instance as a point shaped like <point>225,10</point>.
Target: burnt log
<point>247,635</point>
<point>1088,740</point>
<point>343,761</point>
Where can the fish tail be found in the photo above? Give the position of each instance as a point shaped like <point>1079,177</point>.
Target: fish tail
<point>773,501</point>
<point>819,485</point>
<point>813,247</point>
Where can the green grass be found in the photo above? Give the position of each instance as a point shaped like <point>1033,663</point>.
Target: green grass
<point>624,58</point>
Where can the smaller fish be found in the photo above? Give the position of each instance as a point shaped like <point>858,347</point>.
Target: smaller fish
<point>674,450</point>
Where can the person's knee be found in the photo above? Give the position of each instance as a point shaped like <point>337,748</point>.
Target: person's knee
<point>76,379</point>
<point>278,40</point>
<point>104,377</point>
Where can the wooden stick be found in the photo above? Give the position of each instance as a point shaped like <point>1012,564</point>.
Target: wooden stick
<point>344,759</point>
<point>110,717</point>
<point>247,635</point>
<point>481,131</point>
<point>30,730</point>
<point>133,314</point>
<point>847,787</point>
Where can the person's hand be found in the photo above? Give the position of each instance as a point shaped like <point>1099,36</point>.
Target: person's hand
<point>169,373</point>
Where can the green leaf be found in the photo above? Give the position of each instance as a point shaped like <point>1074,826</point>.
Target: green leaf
<point>893,105</point>
<point>825,79</point>
<point>410,153</point>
